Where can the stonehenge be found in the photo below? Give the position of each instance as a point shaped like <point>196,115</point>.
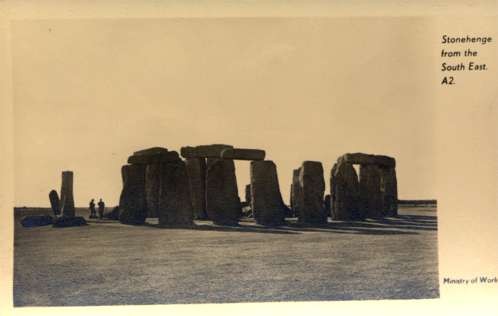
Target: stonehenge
<point>53,196</point>
<point>175,207</point>
<point>223,205</point>
<point>201,183</point>
<point>266,201</point>
<point>63,207</point>
<point>132,202</point>
<point>67,199</point>
<point>371,194</point>
<point>196,170</point>
<point>310,191</point>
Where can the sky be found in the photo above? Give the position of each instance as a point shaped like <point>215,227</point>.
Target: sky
<point>87,93</point>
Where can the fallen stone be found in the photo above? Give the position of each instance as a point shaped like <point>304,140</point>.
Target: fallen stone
<point>69,221</point>
<point>310,195</point>
<point>371,198</point>
<point>53,196</point>
<point>37,220</point>
<point>222,201</point>
<point>175,208</point>
<point>67,199</point>
<point>196,170</point>
<point>266,200</point>
<point>243,154</point>
<point>152,184</point>
<point>132,199</point>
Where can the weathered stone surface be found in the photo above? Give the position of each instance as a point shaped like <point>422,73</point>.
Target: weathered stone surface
<point>175,207</point>
<point>243,154</point>
<point>266,199</point>
<point>69,221</point>
<point>326,204</point>
<point>366,159</point>
<point>132,201</point>
<point>294,192</point>
<point>152,184</point>
<point>389,188</point>
<point>53,196</point>
<point>67,199</point>
<point>345,190</point>
<point>371,197</point>
<point>196,169</point>
<point>154,158</point>
<point>310,195</point>
<point>37,220</point>
<point>222,201</point>
<point>150,151</point>
<point>204,151</point>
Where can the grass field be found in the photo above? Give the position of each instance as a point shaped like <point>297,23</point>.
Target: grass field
<point>107,263</point>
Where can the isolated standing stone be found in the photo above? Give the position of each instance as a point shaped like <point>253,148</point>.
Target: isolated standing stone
<point>310,195</point>
<point>196,169</point>
<point>152,183</point>
<point>54,202</point>
<point>266,200</point>
<point>67,199</point>
<point>371,197</point>
<point>132,206</point>
<point>175,207</point>
<point>389,187</point>
<point>345,189</point>
<point>222,201</point>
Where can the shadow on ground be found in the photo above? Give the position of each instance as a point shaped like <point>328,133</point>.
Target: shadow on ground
<point>399,225</point>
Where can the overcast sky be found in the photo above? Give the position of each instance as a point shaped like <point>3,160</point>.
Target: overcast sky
<point>87,93</point>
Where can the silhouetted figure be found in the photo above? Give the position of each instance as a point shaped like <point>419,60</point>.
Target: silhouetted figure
<point>101,208</point>
<point>93,214</point>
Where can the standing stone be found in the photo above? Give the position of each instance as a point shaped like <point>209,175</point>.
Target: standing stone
<point>345,189</point>
<point>152,183</point>
<point>310,195</point>
<point>67,199</point>
<point>196,169</point>
<point>175,207</point>
<point>294,192</point>
<point>389,188</point>
<point>133,210</point>
<point>371,197</point>
<point>326,204</point>
<point>248,194</point>
<point>222,201</point>
<point>266,199</point>
<point>54,202</point>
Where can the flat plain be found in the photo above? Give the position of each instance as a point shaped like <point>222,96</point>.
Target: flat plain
<point>107,263</point>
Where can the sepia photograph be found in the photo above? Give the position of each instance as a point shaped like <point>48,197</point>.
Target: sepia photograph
<point>223,160</point>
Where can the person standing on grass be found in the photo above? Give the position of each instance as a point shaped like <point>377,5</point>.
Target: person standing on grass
<point>101,208</point>
<point>92,209</point>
